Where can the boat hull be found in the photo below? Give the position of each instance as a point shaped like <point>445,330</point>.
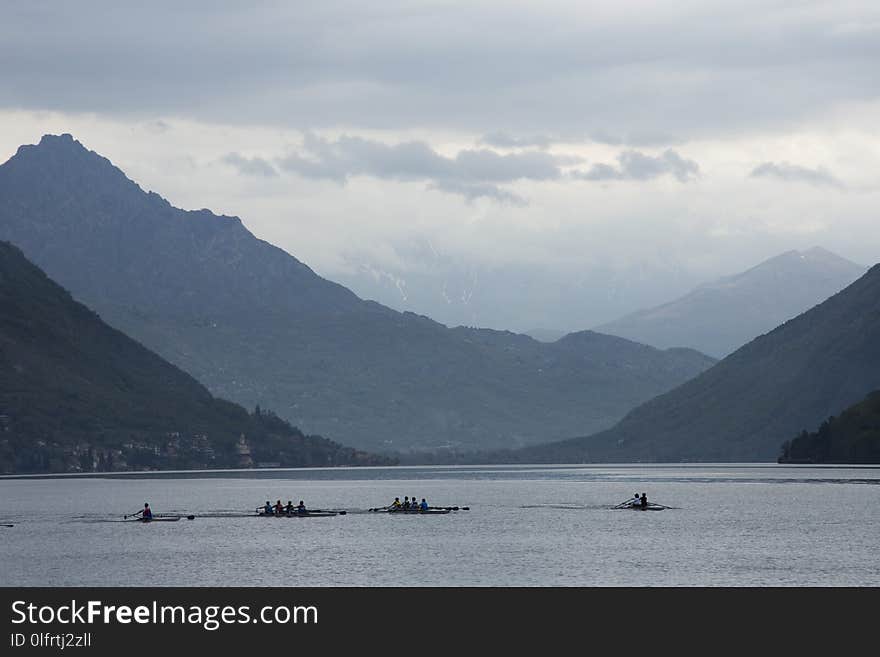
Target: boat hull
<point>153,519</point>
<point>308,514</point>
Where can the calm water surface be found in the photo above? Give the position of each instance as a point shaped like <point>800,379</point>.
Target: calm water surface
<point>732,525</point>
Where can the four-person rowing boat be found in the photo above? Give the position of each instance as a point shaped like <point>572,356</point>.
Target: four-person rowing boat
<point>290,511</point>
<point>300,514</point>
<point>418,512</point>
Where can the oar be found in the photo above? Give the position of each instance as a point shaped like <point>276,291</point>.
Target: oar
<point>133,514</point>
<point>7,525</point>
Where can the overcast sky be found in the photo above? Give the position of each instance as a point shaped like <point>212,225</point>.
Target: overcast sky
<point>689,137</point>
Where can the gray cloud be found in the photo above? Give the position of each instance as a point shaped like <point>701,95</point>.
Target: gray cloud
<point>477,67</point>
<point>634,165</point>
<point>795,173</point>
<point>250,166</point>
<point>471,173</point>
<point>473,191</point>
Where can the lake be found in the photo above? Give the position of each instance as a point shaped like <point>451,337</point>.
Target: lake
<point>730,525</point>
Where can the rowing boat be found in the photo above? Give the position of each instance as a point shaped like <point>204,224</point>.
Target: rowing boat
<point>417,512</point>
<point>174,519</point>
<point>306,514</point>
<point>638,507</point>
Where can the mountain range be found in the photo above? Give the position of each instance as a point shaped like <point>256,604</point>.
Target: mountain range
<point>462,290</point>
<point>719,317</point>
<point>77,395</point>
<point>257,326</point>
<point>747,405</point>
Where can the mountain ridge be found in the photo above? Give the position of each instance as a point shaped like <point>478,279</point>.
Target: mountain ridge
<point>745,407</point>
<point>720,316</point>
<point>257,326</point>
<point>77,395</point>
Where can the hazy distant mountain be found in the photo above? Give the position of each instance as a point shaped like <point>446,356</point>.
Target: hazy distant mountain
<point>747,405</point>
<point>460,291</point>
<point>720,317</point>
<point>77,395</point>
<point>851,437</point>
<point>259,327</point>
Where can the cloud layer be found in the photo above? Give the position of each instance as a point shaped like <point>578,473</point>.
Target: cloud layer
<point>675,70</point>
<point>795,173</point>
<point>471,173</point>
<point>634,165</point>
<point>640,137</point>
<point>250,166</point>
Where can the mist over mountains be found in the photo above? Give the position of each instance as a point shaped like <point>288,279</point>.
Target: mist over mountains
<point>719,317</point>
<point>764,394</point>
<point>456,290</point>
<point>715,318</point>
<point>257,326</point>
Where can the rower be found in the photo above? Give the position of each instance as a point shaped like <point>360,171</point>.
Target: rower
<point>301,507</point>
<point>267,510</point>
<point>644,501</point>
<point>405,502</point>
<point>289,508</point>
<point>278,508</point>
<point>396,503</point>
<point>636,501</point>
<point>424,505</point>
<point>147,513</point>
